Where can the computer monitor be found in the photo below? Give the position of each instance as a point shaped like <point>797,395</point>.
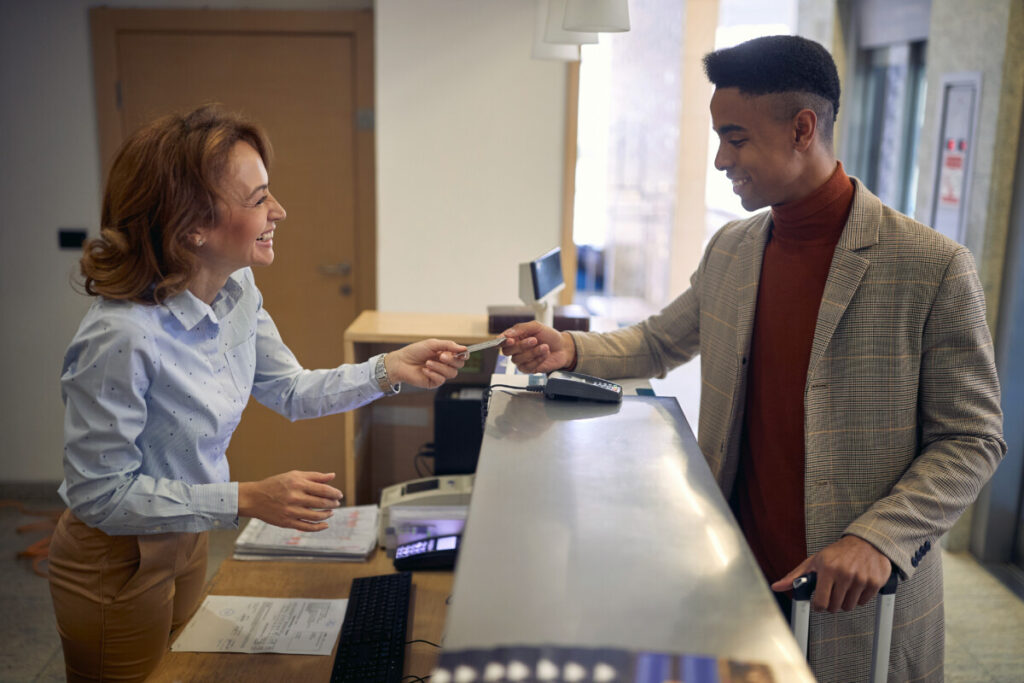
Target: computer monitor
<point>540,280</point>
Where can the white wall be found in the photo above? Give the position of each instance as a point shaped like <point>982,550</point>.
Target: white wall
<point>469,152</point>
<point>469,146</point>
<point>48,178</point>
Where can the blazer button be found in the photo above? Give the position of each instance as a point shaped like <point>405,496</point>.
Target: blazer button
<point>927,546</point>
<point>914,561</point>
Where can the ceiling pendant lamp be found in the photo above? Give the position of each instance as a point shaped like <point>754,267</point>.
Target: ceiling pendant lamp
<point>543,50</point>
<point>602,16</point>
<point>554,31</point>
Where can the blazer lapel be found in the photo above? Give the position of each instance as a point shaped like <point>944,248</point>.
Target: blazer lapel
<point>847,270</point>
<point>747,275</point>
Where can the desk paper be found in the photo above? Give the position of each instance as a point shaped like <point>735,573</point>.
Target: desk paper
<point>229,623</point>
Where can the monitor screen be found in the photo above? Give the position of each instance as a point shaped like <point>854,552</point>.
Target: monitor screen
<point>447,542</point>
<point>546,272</point>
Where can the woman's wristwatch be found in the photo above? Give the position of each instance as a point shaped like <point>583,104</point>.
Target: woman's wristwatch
<point>380,373</point>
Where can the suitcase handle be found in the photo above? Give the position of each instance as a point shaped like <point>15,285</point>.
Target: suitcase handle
<point>803,587</point>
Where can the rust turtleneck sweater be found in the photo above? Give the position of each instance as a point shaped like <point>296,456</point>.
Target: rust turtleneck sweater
<point>769,494</point>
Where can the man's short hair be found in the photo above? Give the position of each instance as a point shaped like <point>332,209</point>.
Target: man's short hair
<point>788,65</point>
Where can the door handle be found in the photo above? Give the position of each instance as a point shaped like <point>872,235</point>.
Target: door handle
<point>343,268</point>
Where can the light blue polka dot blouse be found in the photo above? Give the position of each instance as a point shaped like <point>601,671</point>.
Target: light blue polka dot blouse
<point>153,394</point>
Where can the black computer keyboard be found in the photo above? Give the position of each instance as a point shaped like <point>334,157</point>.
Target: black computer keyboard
<point>372,645</point>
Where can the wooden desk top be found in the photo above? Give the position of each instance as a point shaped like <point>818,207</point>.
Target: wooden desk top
<point>309,580</point>
<point>402,328</point>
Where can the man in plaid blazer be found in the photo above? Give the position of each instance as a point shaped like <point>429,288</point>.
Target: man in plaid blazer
<point>849,402</point>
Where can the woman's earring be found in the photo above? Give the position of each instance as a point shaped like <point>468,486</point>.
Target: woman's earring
<point>200,241</point>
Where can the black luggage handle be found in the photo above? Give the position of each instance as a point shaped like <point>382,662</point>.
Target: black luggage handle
<point>803,587</point>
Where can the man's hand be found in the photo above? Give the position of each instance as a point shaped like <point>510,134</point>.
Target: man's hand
<point>293,500</point>
<point>426,364</point>
<point>534,347</point>
<point>850,573</point>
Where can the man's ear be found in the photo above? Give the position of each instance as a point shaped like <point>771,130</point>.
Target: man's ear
<point>805,125</point>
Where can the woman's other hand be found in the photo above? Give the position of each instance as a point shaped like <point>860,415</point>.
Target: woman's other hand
<point>427,364</point>
<point>293,500</point>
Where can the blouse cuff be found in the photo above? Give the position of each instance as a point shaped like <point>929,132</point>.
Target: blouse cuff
<point>218,503</point>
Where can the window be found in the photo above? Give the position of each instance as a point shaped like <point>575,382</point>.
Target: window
<point>627,143</point>
<point>628,155</point>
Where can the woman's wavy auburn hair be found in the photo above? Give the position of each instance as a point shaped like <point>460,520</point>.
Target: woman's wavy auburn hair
<point>163,184</point>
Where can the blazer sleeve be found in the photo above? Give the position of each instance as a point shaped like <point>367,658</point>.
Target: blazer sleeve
<point>654,346</point>
<point>960,424</point>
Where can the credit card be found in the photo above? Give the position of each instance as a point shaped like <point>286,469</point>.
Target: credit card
<point>481,346</point>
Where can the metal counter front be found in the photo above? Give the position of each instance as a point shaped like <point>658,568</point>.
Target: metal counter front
<point>595,525</point>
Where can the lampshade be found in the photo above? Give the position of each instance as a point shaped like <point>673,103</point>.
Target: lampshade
<point>555,33</point>
<point>563,53</point>
<point>543,50</point>
<point>603,16</point>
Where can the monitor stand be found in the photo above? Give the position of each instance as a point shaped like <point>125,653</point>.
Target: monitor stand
<point>544,312</point>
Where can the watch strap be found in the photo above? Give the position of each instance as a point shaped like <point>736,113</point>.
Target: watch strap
<point>380,374</point>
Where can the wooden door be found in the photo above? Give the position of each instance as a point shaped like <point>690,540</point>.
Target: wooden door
<point>307,78</point>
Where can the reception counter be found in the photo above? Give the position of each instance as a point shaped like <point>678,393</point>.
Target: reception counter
<point>601,526</point>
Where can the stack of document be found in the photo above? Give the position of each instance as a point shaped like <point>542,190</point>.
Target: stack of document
<point>351,535</point>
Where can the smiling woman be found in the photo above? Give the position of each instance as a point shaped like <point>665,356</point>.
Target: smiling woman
<point>247,216</point>
<point>155,381</point>
<point>145,252</point>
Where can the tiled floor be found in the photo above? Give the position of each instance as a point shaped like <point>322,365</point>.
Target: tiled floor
<point>984,624</point>
<point>984,620</point>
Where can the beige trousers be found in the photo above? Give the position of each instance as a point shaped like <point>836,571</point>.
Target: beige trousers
<point>118,597</point>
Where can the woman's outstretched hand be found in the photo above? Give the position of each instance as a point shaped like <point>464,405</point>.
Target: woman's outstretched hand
<point>293,500</point>
<point>427,364</point>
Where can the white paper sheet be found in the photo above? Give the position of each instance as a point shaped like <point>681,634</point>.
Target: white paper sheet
<point>230,623</point>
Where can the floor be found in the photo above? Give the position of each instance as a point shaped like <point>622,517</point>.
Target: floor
<point>984,619</point>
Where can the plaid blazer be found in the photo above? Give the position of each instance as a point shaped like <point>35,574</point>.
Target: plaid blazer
<point>902,420</point>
